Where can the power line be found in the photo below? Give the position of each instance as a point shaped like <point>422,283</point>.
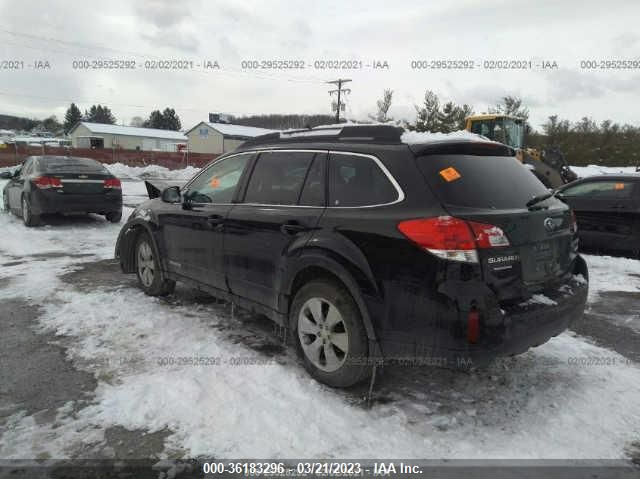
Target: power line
<point>339,90</point>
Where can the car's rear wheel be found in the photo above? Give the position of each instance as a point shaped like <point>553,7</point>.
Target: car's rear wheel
<point>5,202</point>
<point>114,216</point>
<point>28,217</point>
<point>150,276</point>
<point>327,329</point>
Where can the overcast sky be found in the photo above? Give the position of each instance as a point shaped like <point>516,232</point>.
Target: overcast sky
<point>397,32</point>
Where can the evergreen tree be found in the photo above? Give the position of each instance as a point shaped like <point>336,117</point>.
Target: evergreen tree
<point>427,114</point>
<point>166,120</point>
<point>171,121</point>
<point>71,117</point>
<point>100,114</point>
<point>383,107</point>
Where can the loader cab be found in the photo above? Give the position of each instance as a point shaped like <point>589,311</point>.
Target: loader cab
<point>505,129</point>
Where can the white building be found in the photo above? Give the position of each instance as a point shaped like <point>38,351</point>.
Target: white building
<point>218,138</point>
<point>100,135</point>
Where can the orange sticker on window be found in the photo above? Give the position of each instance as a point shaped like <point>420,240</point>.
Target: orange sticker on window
<point>619,186</point>
<point>450,174</point>
<point>215,182</point>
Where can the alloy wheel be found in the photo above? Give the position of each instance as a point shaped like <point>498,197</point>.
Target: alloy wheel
<point>25,210</point>
<point>145,263</point>
<point>323,334</point>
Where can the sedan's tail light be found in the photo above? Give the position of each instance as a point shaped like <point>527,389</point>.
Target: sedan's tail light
<point>452,238</point>
<point>112,183</point>
<point>46,182</point>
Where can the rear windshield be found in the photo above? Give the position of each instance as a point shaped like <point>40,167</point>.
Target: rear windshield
<point>496,182</point>
<point>72,165</point>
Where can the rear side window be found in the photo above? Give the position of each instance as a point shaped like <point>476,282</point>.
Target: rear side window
<point>278,177</point>
<point>358,181</point>
<point>493,182</point>
<point>314,186</point>
<point>601,189</point>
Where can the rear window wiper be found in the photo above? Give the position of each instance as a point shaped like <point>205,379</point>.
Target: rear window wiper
<point>539,198</point>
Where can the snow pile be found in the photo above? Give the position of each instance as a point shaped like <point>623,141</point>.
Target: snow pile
<point>593,170</point>
<point>607,273</point>
<point>412,137</point>
<point>151,171</point>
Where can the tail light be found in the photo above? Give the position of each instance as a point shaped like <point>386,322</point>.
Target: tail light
<point>112,183</point>
<point>452,238</point>
<point>573,227</point>
<point>46,182</point>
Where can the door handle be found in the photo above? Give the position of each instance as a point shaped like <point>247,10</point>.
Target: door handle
<point>620,207</point>
<point>293,227</point>
<point>215,220</point>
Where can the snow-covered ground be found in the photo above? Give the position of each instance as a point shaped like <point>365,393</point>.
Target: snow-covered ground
<point>538,405</point>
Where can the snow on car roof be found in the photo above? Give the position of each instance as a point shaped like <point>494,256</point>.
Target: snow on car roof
<point>415,137</point>
<point>133,131</point>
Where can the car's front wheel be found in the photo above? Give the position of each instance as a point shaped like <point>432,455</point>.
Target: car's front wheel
<point>28,217</point>
<point>5,202</point>
<point>327,329</point>
<point>150,275</point>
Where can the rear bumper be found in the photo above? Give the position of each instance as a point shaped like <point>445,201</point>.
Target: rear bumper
<point>504,330</point>
<point>50,202</point>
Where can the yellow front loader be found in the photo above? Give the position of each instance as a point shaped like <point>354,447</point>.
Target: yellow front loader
<point>548,164</point>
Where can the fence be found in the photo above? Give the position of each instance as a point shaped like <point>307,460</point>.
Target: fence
<point>14,154</point>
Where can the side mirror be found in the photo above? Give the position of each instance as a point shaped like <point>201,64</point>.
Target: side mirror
<point>5,175</point>
<point>171,195</point>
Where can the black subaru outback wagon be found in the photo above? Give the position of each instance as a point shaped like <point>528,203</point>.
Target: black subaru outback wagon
<point>367,248</point>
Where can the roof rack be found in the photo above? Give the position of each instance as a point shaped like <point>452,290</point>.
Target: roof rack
<point>351,133</point>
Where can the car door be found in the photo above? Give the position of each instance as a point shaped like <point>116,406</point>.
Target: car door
<point>282,204</point>
<point>604,208</point>
<point>192,231</point>
<point>16,186</point>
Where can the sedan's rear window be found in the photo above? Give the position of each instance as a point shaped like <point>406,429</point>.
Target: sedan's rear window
<point>496,182</point>
<point>71,165</point>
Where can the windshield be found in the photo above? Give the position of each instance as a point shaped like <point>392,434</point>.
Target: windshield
<point>503,130</point>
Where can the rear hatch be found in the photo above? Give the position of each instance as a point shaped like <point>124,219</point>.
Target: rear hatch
<point>495,190</point>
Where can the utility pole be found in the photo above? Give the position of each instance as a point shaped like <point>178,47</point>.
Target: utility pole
<point>339,91</point>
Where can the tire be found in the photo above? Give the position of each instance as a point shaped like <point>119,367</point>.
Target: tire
<point>28,217</point>
<point>5,202</point>
<point>150,276</point>
<point>327,329</point>
<point>114,216</point>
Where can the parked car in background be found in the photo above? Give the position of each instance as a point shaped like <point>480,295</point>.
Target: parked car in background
<point>62,184</point>
<point>364,247</point>
<point>607,208</point>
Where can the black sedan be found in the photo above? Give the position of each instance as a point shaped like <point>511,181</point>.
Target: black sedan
<point>607,208</point>
<point>61,184</point>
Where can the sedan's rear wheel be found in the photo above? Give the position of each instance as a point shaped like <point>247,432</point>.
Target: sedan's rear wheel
<point>150,275</point>
<point>28,217</point>
<point>329,334</point>
<point>114,216</point>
